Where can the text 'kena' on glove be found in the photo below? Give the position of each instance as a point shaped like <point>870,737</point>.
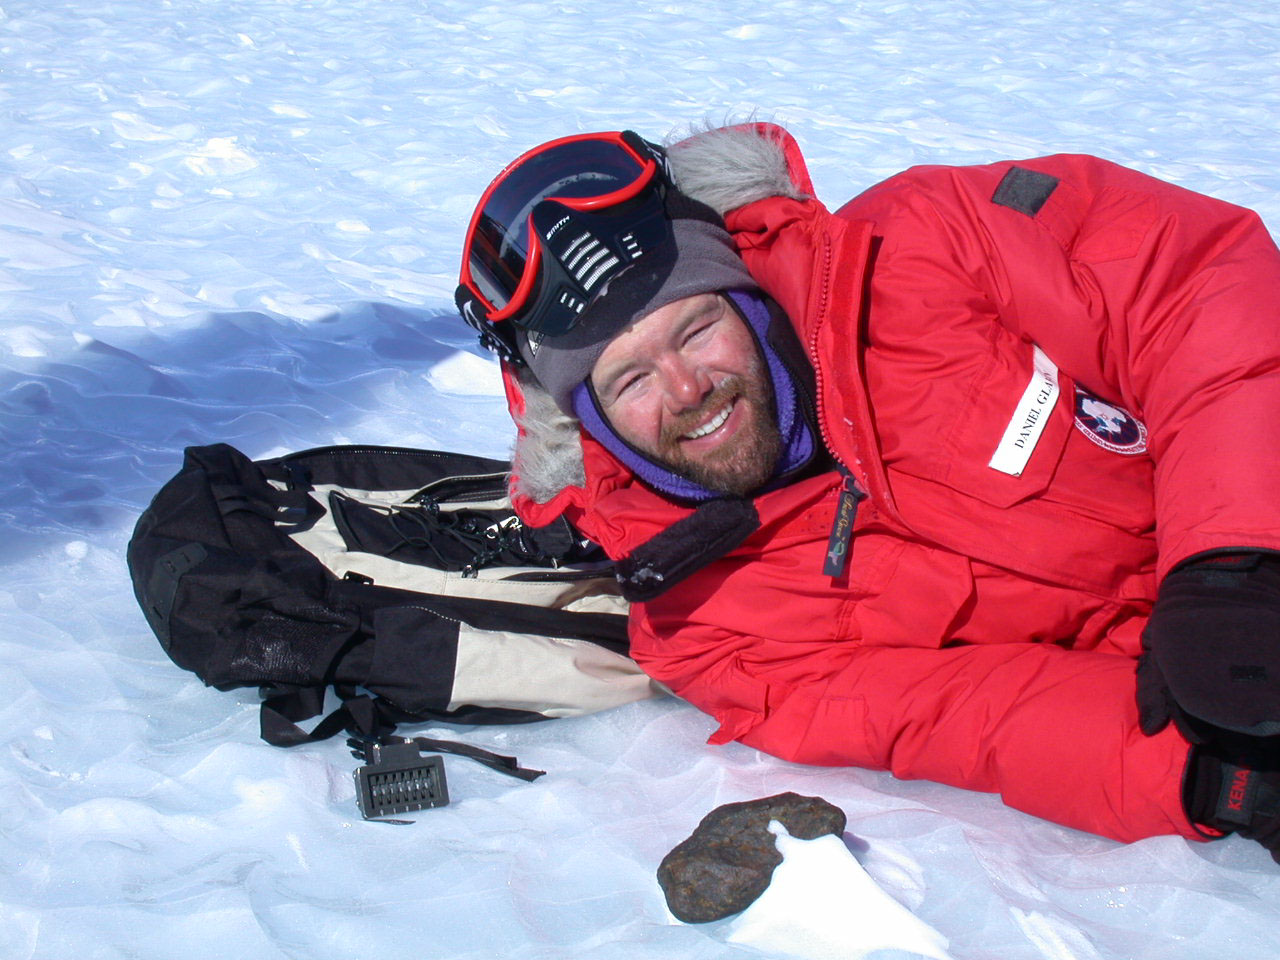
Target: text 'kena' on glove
<point>1212,649</point>
<point>1233,786</point>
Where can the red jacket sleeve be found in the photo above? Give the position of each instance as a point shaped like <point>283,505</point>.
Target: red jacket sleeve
<point>1149,295</point>
<point>1053,731</point>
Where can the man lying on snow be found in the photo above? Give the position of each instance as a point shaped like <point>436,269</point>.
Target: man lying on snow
<point>974,480</point>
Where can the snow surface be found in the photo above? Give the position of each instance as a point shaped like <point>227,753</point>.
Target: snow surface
<point>237,220</point>
<point>821,905</point>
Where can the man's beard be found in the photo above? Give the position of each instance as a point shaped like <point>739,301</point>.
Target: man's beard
<point>744,462</point>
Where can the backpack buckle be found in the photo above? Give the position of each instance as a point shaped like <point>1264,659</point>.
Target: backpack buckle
<point>397,778</point>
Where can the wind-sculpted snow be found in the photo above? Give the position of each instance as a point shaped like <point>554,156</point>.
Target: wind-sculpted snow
<point>238,221</point>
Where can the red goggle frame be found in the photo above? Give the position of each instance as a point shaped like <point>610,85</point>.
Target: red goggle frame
<point>555,224</point>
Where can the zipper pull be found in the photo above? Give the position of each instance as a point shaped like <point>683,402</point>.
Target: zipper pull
<point>842,528</point>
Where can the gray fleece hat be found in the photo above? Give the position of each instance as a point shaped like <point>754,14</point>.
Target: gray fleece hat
<point>700,258</point>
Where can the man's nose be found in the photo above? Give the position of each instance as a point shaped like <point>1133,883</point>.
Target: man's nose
<point>686,383</point>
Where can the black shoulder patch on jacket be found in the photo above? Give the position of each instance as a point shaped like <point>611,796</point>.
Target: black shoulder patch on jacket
<point>1024,190</point>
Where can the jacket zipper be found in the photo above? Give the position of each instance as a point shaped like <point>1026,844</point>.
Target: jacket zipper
<point>841,536</point>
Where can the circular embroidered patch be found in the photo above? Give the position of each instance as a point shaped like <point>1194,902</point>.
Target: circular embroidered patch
<point>1110,427</point>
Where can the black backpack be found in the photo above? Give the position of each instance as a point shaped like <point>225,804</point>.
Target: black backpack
<point>400,579</point>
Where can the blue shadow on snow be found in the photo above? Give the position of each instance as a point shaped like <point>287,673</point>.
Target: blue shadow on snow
<point>88,438</point>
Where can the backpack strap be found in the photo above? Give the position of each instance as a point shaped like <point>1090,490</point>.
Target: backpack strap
<point>494,761</point>
<point>282,710</point>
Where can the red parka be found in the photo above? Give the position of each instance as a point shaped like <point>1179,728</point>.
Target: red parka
<point>980,335</point>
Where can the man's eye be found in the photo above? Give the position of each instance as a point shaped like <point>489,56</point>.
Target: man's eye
<point>624,386</point>
<point>699,332</point>
<point>631,384</point>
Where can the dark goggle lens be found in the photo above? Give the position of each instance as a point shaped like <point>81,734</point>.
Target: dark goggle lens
<point>498,249</point>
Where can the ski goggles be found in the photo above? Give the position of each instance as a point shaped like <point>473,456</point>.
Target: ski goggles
<point>554,227</point>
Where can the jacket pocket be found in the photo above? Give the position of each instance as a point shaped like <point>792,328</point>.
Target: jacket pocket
<point>1008,437</point>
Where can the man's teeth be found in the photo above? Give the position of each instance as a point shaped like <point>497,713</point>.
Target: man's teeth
<point>711,425</point>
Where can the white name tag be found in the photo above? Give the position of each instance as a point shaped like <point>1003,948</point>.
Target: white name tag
<point>1029,419</point>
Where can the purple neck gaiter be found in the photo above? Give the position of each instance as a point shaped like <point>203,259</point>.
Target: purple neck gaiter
<point>797,438</point>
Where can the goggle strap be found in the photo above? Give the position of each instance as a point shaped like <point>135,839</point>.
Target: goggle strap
<point>498,337</point>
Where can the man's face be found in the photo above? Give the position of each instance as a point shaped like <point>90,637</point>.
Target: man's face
<point>686,386</point>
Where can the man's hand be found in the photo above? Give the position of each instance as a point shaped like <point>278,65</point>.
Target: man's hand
<point>1233,785</point>
<point>1211,658</point>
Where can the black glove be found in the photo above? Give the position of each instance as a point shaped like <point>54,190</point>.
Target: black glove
<point>1234,786</point>
<point>1211,656</point>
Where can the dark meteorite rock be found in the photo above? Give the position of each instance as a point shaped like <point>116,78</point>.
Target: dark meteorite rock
<point>728,860</point>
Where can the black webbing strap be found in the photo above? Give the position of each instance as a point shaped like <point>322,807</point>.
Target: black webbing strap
<point>496,761</point>
<point>362,718</point>
<point>281,713</point>
<point>279,506</point>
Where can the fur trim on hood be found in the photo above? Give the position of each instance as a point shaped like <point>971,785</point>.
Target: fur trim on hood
<point>548,451</point>
<point>725,168</point>
<point>729,167</point>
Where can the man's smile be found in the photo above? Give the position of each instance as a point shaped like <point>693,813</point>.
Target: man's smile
<point>713,424</point>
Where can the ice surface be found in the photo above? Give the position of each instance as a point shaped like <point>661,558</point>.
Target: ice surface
<point>238,221</point>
